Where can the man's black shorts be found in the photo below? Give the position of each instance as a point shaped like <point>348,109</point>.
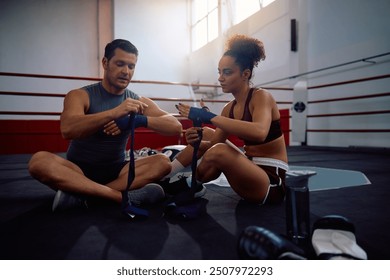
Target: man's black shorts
<point>101,174</point>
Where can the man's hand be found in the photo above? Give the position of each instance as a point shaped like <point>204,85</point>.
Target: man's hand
<point>117,126</point>
<point>111,128</point>
<point>121,123</point>
<point>130,106</point>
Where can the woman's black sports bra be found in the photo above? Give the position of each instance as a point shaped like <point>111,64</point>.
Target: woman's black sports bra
<point>275,130</point>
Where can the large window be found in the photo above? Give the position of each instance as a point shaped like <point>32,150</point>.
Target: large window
<point>243,9</point>
<point>205,22</point>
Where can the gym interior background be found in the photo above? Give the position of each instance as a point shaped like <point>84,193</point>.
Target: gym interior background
<point>331,56</point>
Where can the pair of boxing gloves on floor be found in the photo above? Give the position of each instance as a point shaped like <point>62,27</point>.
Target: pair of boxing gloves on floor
<point>333,237</point>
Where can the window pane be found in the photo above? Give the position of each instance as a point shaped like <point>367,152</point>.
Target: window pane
<point>212,4</point>
<point>205,22</point>
<point>213,25</point>
<point>200,10</point>
<point>244,9</point>
<point>266,2</point>
<point>200,34</point>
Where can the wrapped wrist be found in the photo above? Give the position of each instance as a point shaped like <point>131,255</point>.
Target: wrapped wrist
<point>199,115</point>
<point>141,121</point>
<point>123,123</point>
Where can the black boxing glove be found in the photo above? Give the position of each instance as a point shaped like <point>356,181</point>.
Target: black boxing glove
<point>258,243</point>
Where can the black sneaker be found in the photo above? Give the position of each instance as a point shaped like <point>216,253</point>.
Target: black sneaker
<point>179,186</point>
<point>65,201</point>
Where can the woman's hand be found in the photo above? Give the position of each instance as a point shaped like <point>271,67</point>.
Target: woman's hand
<point>197,115</point>
<point>203,105</point>
<point>192,135</point>
<point>184,109</point>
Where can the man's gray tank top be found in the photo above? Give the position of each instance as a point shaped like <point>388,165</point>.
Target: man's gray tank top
<point>100,148</point>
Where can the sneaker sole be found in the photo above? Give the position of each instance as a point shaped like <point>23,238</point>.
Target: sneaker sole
<point>56,200</point>
<point>200,193</point>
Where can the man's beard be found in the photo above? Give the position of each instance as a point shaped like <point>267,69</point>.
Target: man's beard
<point>119,85</point>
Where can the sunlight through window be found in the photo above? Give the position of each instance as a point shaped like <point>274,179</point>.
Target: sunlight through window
<point>205,17</point>
<point>245,8</point>
<point>204,22</point>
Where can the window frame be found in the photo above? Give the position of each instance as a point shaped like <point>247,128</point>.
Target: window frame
<point>205,19</point>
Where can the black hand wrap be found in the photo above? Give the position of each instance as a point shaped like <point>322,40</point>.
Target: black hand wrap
<point>129,210</point>
<point>185,205</point>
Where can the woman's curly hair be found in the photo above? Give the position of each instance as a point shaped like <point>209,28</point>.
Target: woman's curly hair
<point>247,51</point>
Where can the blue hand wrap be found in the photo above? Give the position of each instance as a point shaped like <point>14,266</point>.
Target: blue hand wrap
<point>123,123</point>
<point>141,121</point>
<point>132,212</point>
<point>184,205</point>
<point>129,210</point>
<point>200,115</point>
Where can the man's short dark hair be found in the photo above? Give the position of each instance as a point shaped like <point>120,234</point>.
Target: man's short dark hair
<point>121,44</point>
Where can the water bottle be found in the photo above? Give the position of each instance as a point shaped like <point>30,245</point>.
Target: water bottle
<point>298,207</point>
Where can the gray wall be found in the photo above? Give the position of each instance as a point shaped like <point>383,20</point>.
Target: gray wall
<point>62,37</point>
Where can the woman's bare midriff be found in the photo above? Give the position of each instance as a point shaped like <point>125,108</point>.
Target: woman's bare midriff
<point>275,149</point>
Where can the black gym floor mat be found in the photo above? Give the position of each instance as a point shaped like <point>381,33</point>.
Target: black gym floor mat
<point>29,230</point>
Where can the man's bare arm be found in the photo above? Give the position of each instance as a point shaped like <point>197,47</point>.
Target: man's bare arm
<point>160,120</point>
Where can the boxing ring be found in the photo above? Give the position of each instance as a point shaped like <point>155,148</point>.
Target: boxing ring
<point>100,234</point>
<point>28,131</point>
